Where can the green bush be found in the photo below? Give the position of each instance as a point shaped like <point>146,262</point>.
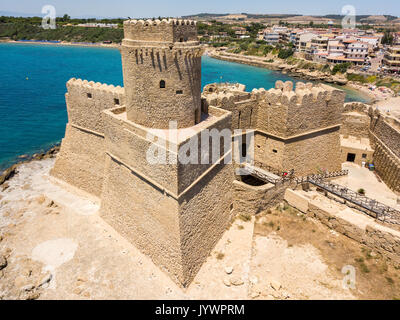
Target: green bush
<point>357,78</point>
<point>341,68</point>
<point>285,53</point>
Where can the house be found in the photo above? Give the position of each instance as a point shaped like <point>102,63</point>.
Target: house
<point>391,60</point>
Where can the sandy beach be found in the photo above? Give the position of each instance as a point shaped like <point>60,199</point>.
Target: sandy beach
<point>376,94</point>
<point>390,105</point>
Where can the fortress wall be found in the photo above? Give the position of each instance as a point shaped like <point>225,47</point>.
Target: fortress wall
<point>190,172</point>
<point>385,139</point>
<point>373,235</point>
<point>252,200</point>
<point>284,112</point>
<point>269,150</point>
<point>80,161</point>
<point>386,164</point>
<point>85,111</point>
<point>205,213</point>
<point>272,115</point>
<point>245,115</point>
<point>293,129</point>
<point>355,124</point>
<point>316,108</point>
<point>81,158</point>
<point>128,142</point>
<point>387,133</point>
<point>143,215</point>
<point>243,105</point>
<point>355,107</point>
<point>310,153</point>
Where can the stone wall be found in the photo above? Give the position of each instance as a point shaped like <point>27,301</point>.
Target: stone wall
<point>252,200</point>
<point>364,229</point>
<point>383,240</point>
<point>356,125</point>
<point>385,138</point>
<point>205,213</point>
<point>314,152</point>
<point>293,129</point>
<point>81,158</point>
<point>387,132</point>
<point>174,212</point>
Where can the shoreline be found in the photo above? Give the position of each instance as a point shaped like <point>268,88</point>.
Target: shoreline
<point>9,172</point>
<point>292,71</point>
<point>66,44</point>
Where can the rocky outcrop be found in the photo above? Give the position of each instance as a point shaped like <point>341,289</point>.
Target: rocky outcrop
<point>11,171</point>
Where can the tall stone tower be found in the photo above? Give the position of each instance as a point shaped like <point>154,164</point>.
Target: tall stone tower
<point>162,72</point>
<point>173,210</point>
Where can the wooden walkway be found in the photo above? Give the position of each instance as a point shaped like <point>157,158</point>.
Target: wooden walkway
<point>372,207</point>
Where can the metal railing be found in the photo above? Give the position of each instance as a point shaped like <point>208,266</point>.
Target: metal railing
<point>380,211</point>
<point>373,208</point>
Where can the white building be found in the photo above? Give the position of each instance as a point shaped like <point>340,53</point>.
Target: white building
<point>271,37</point>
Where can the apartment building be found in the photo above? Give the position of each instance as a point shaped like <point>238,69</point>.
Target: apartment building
<point>391,59</point>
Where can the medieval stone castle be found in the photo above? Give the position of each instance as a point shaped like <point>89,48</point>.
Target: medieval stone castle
<point>175,212</point>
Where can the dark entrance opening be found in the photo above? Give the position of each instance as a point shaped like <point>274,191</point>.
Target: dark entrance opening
<point>252,181</point>
<point>351,157</point>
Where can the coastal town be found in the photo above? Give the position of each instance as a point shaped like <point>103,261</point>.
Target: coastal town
<point>301,200</point>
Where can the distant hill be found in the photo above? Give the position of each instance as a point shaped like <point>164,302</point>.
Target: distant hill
<point>19,14</point>
<point>293,17</point>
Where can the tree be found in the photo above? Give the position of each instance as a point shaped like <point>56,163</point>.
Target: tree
<point>65,18</point>
<point>285,53</point>
<point>341,67</point>
<point>387,38</point>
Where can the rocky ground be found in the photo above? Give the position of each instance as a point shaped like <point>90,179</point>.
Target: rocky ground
<point>54,245</point>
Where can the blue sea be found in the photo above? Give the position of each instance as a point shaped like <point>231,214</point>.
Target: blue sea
<point>32,89</point>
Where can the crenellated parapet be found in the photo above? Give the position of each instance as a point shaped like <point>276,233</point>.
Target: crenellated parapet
<point>87,99</point>
<point>225,96</point>
<point>166,30</point>
<point>286,111</point>
<point>283,111</point>
<point>234,98</point>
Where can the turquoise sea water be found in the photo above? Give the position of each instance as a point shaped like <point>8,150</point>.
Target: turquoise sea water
<point>32,88</point>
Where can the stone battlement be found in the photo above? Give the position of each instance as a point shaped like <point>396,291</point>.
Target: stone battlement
<point>87,99</point>
<point>283,93</point>
<point>283,111</point>
<point>74,84</point>
<point>163,21</point>
<point>171,30</point>
<point>304,93</point>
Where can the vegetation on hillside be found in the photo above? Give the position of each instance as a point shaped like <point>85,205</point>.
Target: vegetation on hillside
<point>17,28</point>
<point>24,31</point>
<point>341,67</point>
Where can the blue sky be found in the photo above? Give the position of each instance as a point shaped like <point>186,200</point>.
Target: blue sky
<point>155,8</point>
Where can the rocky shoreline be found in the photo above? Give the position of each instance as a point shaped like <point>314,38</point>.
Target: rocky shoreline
<point>278,65</point>
<point>12,170</point>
